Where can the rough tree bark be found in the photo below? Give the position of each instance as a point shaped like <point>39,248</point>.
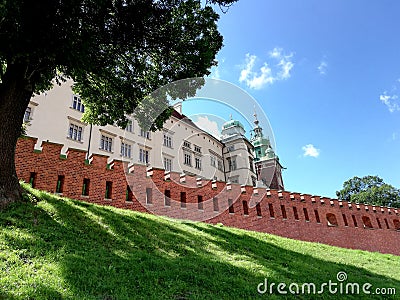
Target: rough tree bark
<point>15,93</point>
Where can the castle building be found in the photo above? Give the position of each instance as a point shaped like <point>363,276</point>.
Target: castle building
<point>181,146</point>
<point>268,167</point>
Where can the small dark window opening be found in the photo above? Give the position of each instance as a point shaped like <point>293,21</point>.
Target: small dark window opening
<point>396,224</point>
<point>367,222</point>
<point>230,204</point>
<point>215,203</point>
<point>129,194</point>
<point>283,209</point>
<point>271,210</point>
<point>85,187</point>
<point>60,184</point>
<point>345,220</point>
<point>387,224</point>
<point>379,223</point>
<point>183,199</point>
<point>149,196</point>
<point>354,220</point>
<point>317,216</point>
<point>167,198</point>
<point>32,179</point>
<point>108,194</point>
<point>245,208</point>
<point>306,214</point>
<point>258,209</point>
<point>199,202</point>
<point>296,215</point>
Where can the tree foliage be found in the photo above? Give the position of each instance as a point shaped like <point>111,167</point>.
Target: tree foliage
<point>116,51</point>
<point>369,190</point>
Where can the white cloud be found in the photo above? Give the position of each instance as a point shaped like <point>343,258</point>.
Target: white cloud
<point>392,102</point>
<point>207,125</point>
<point>267,73</point>
<point>310,150</point>
<point>322,67</point>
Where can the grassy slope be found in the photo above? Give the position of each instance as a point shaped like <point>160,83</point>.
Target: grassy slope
<point>64,249</point>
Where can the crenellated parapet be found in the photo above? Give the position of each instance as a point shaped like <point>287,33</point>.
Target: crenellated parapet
<point>139,187</point>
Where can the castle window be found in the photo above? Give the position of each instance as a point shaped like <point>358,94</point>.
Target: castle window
<point>245,208</point>
<point>317,216</point>
<point>145,133</point>
<point>144,156</point>
<point>271,210</point>
<point>345,220</point>
<point>75,132</point>
<point>129,126</point>
<point>212,157</point>
<point>251,164</point>
<point>296,215</point>
<point>60,184</point>
<point>230,205</point>
<point>197,162</point>
<point>379,223</point>
<point>283,210</point>
<point>220,167</point>
<point>197,149</point>
<point>231,163</point>
<point>108,193</point>
<point>187,159</point>
<point>126,150</point>
<point>167,198</point>
<point>77,103</point>
<point>167,164</point>
<point>85,187</point>
<point>306,214</point>
<point>149,196</point>
<point>331,218</point>
<point>27,115</point>
<point>106,143</point>
<point>199,202</point>
<point>167,140</point>
<point>396,224</point>
<point>354,220</point>
<point>183,199</point>
<point>129,194</point>
<point>367,222</point>
<point>258,209</point>
<point>215,204</point>
<point>387,223</point>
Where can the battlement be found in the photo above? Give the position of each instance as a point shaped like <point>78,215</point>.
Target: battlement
<point>138,187</point>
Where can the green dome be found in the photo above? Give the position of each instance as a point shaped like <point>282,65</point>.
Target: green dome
<point>231,123</point>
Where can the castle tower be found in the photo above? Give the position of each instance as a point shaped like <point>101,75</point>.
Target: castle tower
<point>237,154</point>
<point>268,167</point>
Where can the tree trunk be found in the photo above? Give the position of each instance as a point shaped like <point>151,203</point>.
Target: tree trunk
<point>15,93</point>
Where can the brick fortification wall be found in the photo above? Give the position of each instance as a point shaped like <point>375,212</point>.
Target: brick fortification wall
<point>298,216</point>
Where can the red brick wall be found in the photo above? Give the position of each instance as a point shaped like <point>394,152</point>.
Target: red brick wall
<point>149,186</point>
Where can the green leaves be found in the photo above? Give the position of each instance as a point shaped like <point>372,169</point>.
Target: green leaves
<point>369,190</point>
<point>117,52</point>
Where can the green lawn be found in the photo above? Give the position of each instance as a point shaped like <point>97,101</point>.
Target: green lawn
<point>65,249</point>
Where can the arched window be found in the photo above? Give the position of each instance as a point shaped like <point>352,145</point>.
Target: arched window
<point>396,224</point>
<point>367,222</point>
<point>331,218</point>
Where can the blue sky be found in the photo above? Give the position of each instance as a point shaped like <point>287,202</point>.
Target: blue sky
<point>327,76</point>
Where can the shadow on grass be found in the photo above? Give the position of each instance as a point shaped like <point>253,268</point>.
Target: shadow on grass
<point>82,251</point>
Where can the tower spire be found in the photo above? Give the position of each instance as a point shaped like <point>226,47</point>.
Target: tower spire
<point>255,117</point>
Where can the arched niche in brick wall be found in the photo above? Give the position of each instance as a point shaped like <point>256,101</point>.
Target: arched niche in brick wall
<point>367,222</point>
<point>396,224</point>
<point>331,218</point>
